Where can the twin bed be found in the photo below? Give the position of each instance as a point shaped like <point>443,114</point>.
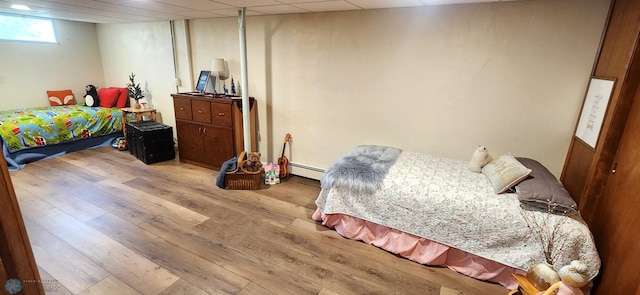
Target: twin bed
<point>435,211</point>
<point>31,134</point>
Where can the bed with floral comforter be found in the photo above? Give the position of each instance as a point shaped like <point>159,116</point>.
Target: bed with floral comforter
<point>438,199</point>
<point>33,133</point>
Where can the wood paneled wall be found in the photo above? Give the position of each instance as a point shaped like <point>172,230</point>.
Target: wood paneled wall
<point>586,170</point>
<point>609,204</point>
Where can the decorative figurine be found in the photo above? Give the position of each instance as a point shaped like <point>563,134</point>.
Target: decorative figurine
<point>233,87</point>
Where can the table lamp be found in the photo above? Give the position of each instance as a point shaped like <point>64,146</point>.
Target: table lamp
<point>220,68</point>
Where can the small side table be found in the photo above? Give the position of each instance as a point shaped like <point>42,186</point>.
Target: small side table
<point>139,113</point>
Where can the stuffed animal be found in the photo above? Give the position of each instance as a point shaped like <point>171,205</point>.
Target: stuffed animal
<point>574,274</point>
<point>480,158</point>
<point>252,163</point>
<point>572,277</point>
<point>91,99</point>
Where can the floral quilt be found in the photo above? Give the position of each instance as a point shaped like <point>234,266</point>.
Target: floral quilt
<point>441,200</point>
<point>34,127</point>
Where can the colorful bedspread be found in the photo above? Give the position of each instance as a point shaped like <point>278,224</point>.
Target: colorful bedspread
<point>34,127</point>
<point>441,200</point>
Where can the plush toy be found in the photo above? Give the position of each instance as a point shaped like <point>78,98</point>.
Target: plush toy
<point>572,278</point>
<point>91,99</point>
<point>122,145</point>
<point>252,163</point>
<point>480,158</point>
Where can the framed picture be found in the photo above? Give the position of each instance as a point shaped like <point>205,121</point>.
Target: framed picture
<point>594,109</point>
<point>203,81</point>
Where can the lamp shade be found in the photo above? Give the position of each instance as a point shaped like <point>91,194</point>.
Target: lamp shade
<point>221,67</point>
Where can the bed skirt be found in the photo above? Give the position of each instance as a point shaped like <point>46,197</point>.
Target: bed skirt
<point>17,160</point>
<point>418,249</point>
<point>424,251</point>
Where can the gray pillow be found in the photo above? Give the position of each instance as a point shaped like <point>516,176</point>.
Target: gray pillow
<point>543,190</point>
<point>505,172</point>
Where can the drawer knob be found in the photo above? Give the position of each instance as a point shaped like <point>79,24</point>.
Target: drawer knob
<point>199,111</point>
<point>220,114</point>
<point>182,109</point>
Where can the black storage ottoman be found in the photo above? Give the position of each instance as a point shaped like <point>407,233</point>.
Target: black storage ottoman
<point>150,141</point>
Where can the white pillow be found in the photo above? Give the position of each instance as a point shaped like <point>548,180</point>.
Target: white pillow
<point>505,172</point>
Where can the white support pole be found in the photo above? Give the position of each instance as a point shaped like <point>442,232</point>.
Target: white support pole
<point>244,81</point>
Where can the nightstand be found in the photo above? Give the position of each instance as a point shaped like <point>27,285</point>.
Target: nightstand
<point>139,115</point>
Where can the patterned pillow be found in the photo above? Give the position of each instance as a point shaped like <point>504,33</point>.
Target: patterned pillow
<point>505,172</point>
<point>61,97</point>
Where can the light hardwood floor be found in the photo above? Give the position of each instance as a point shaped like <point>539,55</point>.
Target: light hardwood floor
<point>102,222</point>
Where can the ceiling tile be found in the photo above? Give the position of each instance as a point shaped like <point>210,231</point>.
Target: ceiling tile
<point>158,6</point>
<point>326,6</point>
<point>116,11</point>
<point>197,4</point>
<point>374,4</point>
<point>196,14</point>
<point>446,2</point>
<point>248,3</point>
<point>278,9</point>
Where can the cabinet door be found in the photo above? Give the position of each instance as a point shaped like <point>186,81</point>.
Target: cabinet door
<point>218,145</point>
<point>189,140</point>
<point>616,229</point>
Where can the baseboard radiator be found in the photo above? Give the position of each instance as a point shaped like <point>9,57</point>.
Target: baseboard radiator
<point>306,170</point>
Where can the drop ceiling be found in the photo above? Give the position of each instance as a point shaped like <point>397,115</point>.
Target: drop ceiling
<point>125,11</point>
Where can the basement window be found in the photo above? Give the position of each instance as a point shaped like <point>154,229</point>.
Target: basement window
<point>26,28</point>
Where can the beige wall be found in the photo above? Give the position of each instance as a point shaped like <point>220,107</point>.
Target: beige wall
<point>145,50</point>
<point>439,80</point>
<point>28,70</point>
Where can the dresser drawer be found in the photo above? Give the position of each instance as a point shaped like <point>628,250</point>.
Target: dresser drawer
<point>182,108</point>
<point>221,114</point>
<point>201,111</point>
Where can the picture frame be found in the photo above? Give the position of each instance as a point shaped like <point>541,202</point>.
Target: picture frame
<point>594,109</point>
<point>205,79</point>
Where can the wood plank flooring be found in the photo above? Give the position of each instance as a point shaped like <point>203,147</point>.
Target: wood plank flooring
<point>102,222</point>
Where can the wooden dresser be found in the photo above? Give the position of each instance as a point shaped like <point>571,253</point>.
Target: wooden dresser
<point>210,128</point>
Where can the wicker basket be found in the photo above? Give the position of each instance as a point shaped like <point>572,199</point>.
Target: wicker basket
<point>242,180</point>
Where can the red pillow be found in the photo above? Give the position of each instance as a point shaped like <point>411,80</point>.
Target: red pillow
<point>108,97</point>
<point>124,96</point>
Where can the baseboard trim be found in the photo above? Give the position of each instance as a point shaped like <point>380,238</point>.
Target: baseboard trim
<point>306,171</point>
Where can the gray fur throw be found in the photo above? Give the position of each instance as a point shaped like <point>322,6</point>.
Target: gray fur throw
<point>362,169</point>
